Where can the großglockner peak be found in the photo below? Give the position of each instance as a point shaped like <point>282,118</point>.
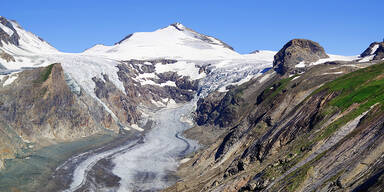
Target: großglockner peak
<point>174,42</point>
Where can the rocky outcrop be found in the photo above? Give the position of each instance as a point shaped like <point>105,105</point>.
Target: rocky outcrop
<point>218,109</point>
<point>129,71</point>
<point>297,51</point>
<point>5,37</point>
<point>125,110</point>
<point>7,57</point>
<point>375,49</point>
<point>206,112</point>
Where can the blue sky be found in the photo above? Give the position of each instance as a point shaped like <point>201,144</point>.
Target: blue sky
<point>344,27</point>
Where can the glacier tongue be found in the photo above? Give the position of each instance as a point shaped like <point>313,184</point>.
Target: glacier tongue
<point>146,166</point>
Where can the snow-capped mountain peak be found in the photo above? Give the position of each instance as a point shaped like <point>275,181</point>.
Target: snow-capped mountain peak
<point>174,42</point>
<point>14,37</point>
<point>179,25</point>
<point>20,48</point>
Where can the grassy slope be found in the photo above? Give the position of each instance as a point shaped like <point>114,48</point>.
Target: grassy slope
<point>364,87</point>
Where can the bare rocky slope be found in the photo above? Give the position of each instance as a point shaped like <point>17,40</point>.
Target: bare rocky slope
<point>318,128</point>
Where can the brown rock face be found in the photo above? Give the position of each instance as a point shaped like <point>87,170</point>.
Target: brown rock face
<point>296,51</point>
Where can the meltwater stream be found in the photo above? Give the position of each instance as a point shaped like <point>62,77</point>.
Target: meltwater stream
<point>146,166</point>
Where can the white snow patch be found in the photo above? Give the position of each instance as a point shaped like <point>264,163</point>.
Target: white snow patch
<point>187,119</point>
<point>82,69</point>
<point>135,126</point>
<point>146,75</point>
<point>367,58</point>
<point>150,82</point>
<point>171,104</point>
<point>183,68</point>
<point>374,49</point>
<point>168,83</point>
<point>300,65</point>
<point>223,89</point>
<point>333,73</point>
<point>264,77</point>
<point>335,58</point>
<point>165,99</point>
<point>158,103</point>
<point>10,79</point>
<point>295,78</point>
<point>6,29</point>
<point>265,55</point>
<point>184,160</point>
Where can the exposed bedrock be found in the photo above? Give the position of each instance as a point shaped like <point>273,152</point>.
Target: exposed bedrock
<point>297,51</point>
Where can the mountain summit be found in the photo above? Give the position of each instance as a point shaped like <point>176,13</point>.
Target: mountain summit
<point>175,41</point>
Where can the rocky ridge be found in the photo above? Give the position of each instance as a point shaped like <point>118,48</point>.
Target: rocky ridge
<point>8,34</point>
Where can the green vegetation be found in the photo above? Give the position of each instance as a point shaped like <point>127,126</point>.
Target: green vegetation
<point>364,85</point>
<point>271,92</point>
<point>299,175</point>
<point>45,74</point>
<point>364,88</point>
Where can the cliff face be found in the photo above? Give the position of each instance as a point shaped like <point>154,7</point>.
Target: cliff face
<point>38,107</point>
<point>9,36</point>
<point>317,130</point>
